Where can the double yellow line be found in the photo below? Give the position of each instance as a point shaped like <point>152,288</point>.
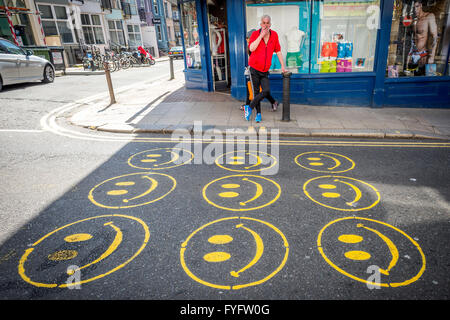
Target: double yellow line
<point>282,142</point>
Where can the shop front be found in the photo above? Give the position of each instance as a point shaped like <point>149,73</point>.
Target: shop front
<point>16,20</point>
<point>349,52</point>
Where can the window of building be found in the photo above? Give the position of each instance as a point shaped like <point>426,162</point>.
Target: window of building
<point>420,37</point>
<point>55,22</point>
<point>92,29</point>
<point>155,7</point>
<point>191,37</point>
<point>158,32</point>
<point>134,35</point>
<point>133,6</point>
<point>116,32</point>
<point>166,9</point>
<point>320,36</point>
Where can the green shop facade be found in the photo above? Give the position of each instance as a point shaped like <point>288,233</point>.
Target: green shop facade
<point>374,53</point>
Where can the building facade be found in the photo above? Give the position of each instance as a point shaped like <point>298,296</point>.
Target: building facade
<point>21,16</point>
<point>349,52</point>
<point>71,24</point>
<point>148,29</point>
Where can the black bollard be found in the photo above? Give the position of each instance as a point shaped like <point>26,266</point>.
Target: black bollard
<point>172,76</point>
<point>286,116</point>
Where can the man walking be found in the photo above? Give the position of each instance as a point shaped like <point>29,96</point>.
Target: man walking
<point>262,44</point>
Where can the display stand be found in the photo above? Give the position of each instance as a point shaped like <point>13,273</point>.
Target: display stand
<point>218,57</point>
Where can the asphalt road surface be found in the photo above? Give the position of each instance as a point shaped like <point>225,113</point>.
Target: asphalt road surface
<point>154,219</point>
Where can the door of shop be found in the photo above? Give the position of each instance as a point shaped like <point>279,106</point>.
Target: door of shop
<point>196,48</point>
<point>218,45</point>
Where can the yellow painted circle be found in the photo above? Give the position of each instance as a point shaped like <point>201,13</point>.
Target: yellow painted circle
<point>314,161</point>
<point>359,255</point>
<point>67,255</point>
<point>218,257</point>
<point>345,204</point>
<point>238,204</point>
<point>116,198</point>
<point>244,166</point>
<point>156,159</point>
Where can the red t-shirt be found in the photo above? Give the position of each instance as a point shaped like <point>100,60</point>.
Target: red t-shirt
<point>261,58</point>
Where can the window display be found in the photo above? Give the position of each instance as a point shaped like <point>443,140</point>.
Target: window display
<point>420,36</point>
<point>191,39</point>
<point>291,20</point>
<point>321,36</point>
<point>348,33</point>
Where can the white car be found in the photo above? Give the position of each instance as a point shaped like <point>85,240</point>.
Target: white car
<point>18,65</point>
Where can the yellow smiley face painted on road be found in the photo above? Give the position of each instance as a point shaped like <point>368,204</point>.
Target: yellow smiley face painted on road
<point>242,192</point>
<point>234,253</point>
<point>160,158</point>
<point>359,247</point>
<point>327,162</point>
<point>341,193</point>
<point>97,246</point>
<point>132,190</point>
<point>246,161</point>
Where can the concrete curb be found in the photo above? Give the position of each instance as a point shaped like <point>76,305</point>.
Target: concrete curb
<point>83,73</point>
<point>256,131</point>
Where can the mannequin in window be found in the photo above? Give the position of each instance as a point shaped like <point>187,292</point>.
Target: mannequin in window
<point>217,39</point>
<point>295,39</point>
<point>422,49</point>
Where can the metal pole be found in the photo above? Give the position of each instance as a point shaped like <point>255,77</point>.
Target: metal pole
<point>110,87</point>
<point>286,116</point>
<point>172,76</point>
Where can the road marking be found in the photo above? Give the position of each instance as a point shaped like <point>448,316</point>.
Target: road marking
<point>317,161</point>
<point>397,269</point>
<point>22,130</point>
<point>160,158</point>
<point>106,194</point>
<point>257,271</point>
<point>312,189</point>
<point>62,256</point>
<point>238,201</point>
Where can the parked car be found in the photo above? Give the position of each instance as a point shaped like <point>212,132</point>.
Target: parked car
<point>18,65</point>
<point>176,52</point>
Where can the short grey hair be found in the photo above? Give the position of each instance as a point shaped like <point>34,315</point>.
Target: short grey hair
<point>266,16</point>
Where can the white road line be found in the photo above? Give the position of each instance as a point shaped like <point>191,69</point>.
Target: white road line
<point>48,122</point>
<point>22,130</point>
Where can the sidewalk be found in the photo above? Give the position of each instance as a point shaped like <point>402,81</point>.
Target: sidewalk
<point>163,106</point>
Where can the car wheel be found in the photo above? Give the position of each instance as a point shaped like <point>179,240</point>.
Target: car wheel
<point>1,84</point>
<point>49,74</point>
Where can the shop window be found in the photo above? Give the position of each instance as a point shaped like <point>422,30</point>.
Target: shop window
<point>191,37</point>
<point>321,36</point>
<point>420,37</point>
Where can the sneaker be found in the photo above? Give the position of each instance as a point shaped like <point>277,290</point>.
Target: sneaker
<point>258,117</point>
<point>275,106</point>
<point>247,112</point>
<point>242,107</point>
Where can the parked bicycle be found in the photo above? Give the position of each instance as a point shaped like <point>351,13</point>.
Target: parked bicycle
<point>116,59</point>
